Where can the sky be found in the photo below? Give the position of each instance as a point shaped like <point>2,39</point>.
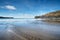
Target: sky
<point>27,8</point>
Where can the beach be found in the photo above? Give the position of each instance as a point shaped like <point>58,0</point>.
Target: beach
<point>28,29</point>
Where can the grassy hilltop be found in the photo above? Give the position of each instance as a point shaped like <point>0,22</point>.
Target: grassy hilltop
<point>52,16</point>
<point>55,14</point>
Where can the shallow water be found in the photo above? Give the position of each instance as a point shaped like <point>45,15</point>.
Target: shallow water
<point>28,29</point>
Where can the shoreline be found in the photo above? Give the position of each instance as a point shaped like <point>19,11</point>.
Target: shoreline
<point>49,20</point>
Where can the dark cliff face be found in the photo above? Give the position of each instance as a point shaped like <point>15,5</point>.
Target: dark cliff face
<point>55,14</point>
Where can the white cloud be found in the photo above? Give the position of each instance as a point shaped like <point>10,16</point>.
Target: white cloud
<point>10,7</point>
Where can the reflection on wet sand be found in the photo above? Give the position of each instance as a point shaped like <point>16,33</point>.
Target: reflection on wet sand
<point>33,35</point>
<point>32,30</point>
<point>15,33</point>
<point>27,35</point>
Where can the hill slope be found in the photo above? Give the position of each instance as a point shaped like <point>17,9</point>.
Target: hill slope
<point>55,14</point>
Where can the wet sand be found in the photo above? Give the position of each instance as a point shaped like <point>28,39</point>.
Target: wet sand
<point>22,33</point>
<point>16,33</point>
<point>35,30</point>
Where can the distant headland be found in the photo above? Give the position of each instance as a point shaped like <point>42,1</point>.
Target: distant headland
<point>54,16</point>
<point>1,17</point>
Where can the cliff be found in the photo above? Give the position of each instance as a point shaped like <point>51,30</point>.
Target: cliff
<point>55,14</point>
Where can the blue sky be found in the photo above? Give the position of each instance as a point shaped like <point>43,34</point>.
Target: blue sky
<point>27,8</point>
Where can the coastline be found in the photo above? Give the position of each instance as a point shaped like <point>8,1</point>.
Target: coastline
<point>49,19</point>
